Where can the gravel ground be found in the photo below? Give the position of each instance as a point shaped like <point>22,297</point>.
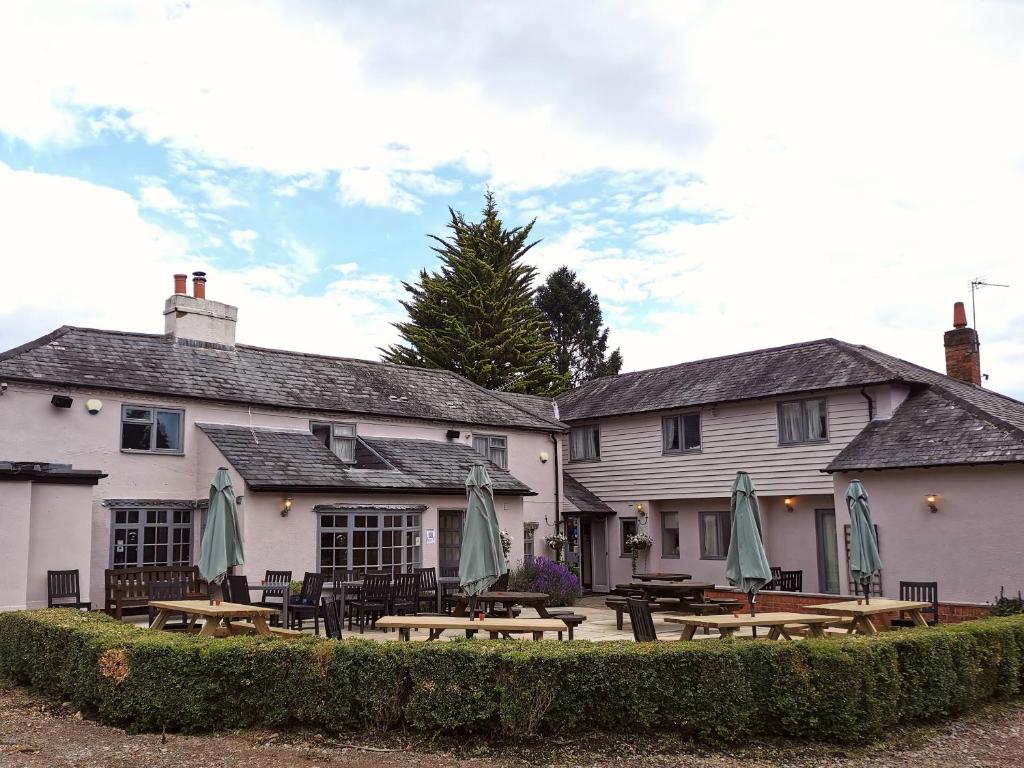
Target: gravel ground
<point>36,732</point>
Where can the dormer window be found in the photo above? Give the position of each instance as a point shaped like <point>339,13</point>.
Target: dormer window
<point>494,447</point>
<point>338,437</point>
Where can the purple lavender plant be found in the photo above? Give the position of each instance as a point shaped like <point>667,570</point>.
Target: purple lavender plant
<point>538,574</point>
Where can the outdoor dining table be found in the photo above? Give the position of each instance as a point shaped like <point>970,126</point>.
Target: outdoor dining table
<point>776,623</point>
<point>681,590</point>
<point>218,618</point>
<point>862,613</point>
<point>508,600</point>
<point>277,589</point>
<point>662,576</point>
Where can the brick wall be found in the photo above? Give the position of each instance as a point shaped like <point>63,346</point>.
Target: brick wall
<point>949,613</point>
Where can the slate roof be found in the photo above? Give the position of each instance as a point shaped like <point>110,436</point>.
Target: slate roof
<point>156,364</point>
<point>541,407</point>
<point>582,499</point>
<point>296,460</point>
<point>944,421</point>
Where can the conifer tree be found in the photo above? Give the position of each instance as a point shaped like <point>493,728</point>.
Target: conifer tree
<point>574,325</point>
<point>476,315</point>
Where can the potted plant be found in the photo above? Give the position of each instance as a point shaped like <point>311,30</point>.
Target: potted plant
<point>506,542</point>
<point>637,543</point>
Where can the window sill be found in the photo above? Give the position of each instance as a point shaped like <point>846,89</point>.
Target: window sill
<point>683,453</point>
<point>584,461</point>
<point>670,557</point>
<point>803,442</point>
<point>133,452</point>
<point>712,557</point>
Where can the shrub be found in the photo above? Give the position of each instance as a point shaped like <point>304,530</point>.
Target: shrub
<point>1008,606</point>
<point>835,689</point>
<point>538,574</point>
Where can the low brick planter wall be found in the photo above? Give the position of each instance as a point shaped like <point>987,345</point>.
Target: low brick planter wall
<point>769,600</point>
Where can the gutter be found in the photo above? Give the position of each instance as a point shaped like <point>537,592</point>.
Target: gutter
<point>558,477</point>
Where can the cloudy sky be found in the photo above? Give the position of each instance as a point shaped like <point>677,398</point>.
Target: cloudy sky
<point>726,176</point>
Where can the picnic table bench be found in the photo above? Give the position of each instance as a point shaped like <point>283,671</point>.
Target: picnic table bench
<point>494,627</point>
<point>779,624</point>
<point>126,588</point>
<point>220,620</point>
<point>862,613</point>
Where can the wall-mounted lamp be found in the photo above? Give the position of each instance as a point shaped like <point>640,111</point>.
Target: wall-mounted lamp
<point>788,501</point>
<point>61,401</point>
<point>933,502</point>
<point>544,456</point>
<point>640,511</point>
<point>286,508</point>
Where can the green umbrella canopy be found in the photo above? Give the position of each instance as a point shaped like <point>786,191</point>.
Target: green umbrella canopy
<point>746,565</point>
<point>222,543</point>
<point>864,559</point>
<point>482,559</point>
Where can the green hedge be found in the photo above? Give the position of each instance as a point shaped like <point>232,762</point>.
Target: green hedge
<point>835,689</point>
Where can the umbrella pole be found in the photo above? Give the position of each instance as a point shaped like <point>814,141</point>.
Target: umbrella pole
<point>472,607</point>
<point>753,609</point>
<point>867,593</point>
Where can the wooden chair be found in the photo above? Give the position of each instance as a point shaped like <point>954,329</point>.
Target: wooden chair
<point>306,605</point>
<point>63,590</point>
<point>275,598</point>
<point>333,610</point>
<point>790,581</point>
<point>405,598</point>
<point>641,620</point>
<point>921,592</point>
<point>168,590</point>
<point>776,573</point>
<point>373,601</point>
<point>428,588</point>
<point>237,589</point>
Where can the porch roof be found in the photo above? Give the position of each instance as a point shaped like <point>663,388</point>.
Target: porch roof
<point>581,500</point>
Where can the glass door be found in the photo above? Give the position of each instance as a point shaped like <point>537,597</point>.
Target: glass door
<point>449,541</point>
<point>828,551</point>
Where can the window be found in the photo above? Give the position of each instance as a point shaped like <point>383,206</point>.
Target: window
<point>670,534</point>
<point>529,534</point>
<point>585,443</point>
<point>151,537</point>
<point>152,430</point>
<point>803,421</point>
<point>338,438</point>
<point>680,433</point>
<point>714,535</point>
<point>370,540</point>
<point>494,447</point>
<point>449,540</point>
<point>627,528</point>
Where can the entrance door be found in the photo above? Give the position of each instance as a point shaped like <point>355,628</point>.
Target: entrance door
<point>586,555</point>
<point>599,550</point>
<point>828,550</point>
<point>449,541</point>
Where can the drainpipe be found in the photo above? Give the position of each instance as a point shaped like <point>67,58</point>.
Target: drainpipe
<point>557,467</point>
<point>871,404</point>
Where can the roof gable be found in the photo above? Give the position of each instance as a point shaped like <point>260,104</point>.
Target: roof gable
<point>156,364</point>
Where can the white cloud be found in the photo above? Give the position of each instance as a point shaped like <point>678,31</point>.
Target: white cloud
<point>366,186</point>
<point>82,255</point>
<point>244,239</point>
<point>155,196</point>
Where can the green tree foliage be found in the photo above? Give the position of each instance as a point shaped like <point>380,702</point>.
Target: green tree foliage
<point>574,317</point>
<point>476,316</point>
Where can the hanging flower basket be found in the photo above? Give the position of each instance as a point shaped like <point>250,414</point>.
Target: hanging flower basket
<point>557,542</point>
<point>635,544</point>
<point>506,542</point>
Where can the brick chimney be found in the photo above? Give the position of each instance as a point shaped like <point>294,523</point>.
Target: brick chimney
<point>963,358</point>
<point>196,318</point>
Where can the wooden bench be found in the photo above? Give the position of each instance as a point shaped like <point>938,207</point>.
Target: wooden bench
<point>248,628</point>
<point>494,627</point>
<point>129,587</point>
<point>618,604</point>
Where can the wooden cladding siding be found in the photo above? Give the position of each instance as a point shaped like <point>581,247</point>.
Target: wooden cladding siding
<point>739,436</point>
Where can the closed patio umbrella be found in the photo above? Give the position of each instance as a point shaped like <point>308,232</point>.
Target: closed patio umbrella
<point>221,547</point>
<point>482,559</point>
<point>864,559</point>
<point>746,565</point>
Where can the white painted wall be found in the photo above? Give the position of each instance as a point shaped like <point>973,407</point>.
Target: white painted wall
<point>15,511</point>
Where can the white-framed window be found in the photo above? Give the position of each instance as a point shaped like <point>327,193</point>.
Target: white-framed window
<point>680,433</point>
<point>670,534</point>
<point>148,429</point>
<point>803,421</point>
<point>529,535</point>
<point>151,536</point>
<point>715,531</point>
<point>494,447</point>
<point>369,540</point>
<point>585,443</point>
<point>628,526</point>
<point>338,437</point>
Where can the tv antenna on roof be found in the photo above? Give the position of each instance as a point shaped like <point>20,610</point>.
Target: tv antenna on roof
<point>977,283</point>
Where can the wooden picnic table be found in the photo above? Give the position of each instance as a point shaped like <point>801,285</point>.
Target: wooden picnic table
<point>508,600</point>
<point>493,627</point>
<point>862,614</point>
<point>219,618</point>
<point>662,576</point>
<point>681,590</point>
<point>776,623</point>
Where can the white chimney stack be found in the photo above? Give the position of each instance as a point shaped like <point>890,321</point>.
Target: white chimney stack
<point>196,318</point>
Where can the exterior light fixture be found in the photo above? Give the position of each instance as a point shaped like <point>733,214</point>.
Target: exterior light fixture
<point>61,401</point>
<point>640,511</point>
<point>933,502</point>
<point>544,456</point>
<point>788,501</point>
<point>93,406</point>
<point>286,508</point>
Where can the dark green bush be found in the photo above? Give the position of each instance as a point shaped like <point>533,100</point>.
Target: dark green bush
<point>836,689</point>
